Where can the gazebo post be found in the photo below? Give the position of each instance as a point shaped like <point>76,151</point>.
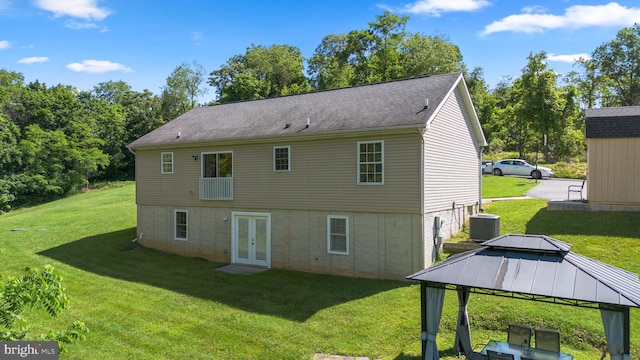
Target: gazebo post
<point>423,316</point>
<point>617,329</point>
<point>627,331</point>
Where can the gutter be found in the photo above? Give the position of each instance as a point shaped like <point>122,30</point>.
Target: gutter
<point>337,134</point>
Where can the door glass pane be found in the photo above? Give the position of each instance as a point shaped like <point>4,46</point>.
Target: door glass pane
<point>261,239</point>
<point>209,165</point>
<point>225,165</point>
<point>243,238</point>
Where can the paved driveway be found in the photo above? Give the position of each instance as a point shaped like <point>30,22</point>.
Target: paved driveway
<point>556,189</point>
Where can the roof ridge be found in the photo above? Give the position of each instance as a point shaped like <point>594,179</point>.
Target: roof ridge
<point>318,91</point>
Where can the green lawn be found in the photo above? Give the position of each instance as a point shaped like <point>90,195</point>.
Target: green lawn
<point>505,186</point>
<point>142,304</point>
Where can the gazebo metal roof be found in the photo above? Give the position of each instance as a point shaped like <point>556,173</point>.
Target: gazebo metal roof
<point>532,267</point>
<point>535,267</point>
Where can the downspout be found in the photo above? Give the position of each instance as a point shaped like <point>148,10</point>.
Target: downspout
<point>421,132</point>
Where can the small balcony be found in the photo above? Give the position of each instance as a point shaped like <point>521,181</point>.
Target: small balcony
<point>216,188</point>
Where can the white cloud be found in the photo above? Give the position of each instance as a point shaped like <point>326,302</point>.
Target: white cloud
<point>568,58</point>
<point>75,25</point>
<point>33,60</point>
<point>97,66</point>
<point>83,9</point>
<point>535,20</point>
<point>437,7</point>
<point>4,44</point>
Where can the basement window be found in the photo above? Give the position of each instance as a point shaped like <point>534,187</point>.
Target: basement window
<point>338,234</point>
<point>180,225</point>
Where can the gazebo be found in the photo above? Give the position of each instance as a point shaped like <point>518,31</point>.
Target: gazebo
<point>531,267</point>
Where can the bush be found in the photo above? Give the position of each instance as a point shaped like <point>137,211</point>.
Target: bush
<point>570,170</point>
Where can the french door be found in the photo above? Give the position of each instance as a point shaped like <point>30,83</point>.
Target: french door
<point>251,243</point>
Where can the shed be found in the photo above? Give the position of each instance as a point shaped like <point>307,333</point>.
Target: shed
<point>613,155</point>
<point>531,267</point>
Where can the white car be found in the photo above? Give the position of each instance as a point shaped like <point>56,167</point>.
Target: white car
<point>487,167</point>
<point>520,167</point>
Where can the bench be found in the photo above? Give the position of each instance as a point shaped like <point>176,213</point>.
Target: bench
<point>577,189</point>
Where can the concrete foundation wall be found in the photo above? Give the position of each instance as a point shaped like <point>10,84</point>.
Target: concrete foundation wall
<point>383,246</point>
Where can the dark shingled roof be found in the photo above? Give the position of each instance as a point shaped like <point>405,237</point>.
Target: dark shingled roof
<point>534,267</point>
<point>393,104</point>
<point>615,122</point>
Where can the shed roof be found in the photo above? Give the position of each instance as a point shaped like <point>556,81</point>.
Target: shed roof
<point>536,266</point>
<point>614,122</point>
<point>387,105</point>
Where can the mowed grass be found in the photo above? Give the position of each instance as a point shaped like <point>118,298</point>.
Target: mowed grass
<point>505,186</point>
<point>144,304</point>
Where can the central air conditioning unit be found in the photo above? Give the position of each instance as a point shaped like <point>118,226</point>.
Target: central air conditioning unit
<point>484,227</point>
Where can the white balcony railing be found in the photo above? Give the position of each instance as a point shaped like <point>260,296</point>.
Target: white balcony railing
<point>216,188</point>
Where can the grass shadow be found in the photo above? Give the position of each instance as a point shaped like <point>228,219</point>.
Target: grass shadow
<point>612,224</point>
<point>287,294</point>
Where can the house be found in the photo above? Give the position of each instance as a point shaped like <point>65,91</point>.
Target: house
<point>613,156</point>
<point>346,182</point>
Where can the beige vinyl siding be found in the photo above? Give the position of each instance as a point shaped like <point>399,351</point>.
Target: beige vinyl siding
<point>451,159</point>
<point>613,171</point>
<point>323,176</point>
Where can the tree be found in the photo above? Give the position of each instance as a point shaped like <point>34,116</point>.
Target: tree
<point>184,87</point>
<point>384,51</point>
<point>540,104</point>
<point>589,84</point>
<point>108,123</point>
<point>329,67</point>
<point>618,64</point>
<point>387,37</point>
<point>261,72</point>
<point>483,102</point>
<point>425,55</point>
<point>11,84</point>
<point>53,163</point>
<point>9,159</point>
<point>121,115</point>
<point>37,289</point>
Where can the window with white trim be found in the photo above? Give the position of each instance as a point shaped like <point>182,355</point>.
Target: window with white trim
<point>338,234</point>
<point>217,165</point>
<point>180,225</point>
<point>370,162</point>
<point>281,158</point>
<point>166,163</point>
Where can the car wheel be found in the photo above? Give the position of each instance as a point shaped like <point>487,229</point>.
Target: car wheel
<point>497,172</point>
<point>536,174</point>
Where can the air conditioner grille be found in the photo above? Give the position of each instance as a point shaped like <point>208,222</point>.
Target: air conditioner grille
<point>484,227</point>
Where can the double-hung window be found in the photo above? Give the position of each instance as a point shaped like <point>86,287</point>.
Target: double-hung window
<point>281,158</point>
<point>338,234</point>
<point>216,182</point>
<point>371,162</point>
<point>166,163</point>
<point>180,225</point>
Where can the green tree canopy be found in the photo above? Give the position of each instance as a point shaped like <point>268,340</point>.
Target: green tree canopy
<point>261,72</point>
<point>184,87</point>
<point>618,64</point>
<point>37,289</point>
<point>384,51</point>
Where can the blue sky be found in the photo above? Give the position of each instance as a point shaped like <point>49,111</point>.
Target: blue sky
<point>85,42</point>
